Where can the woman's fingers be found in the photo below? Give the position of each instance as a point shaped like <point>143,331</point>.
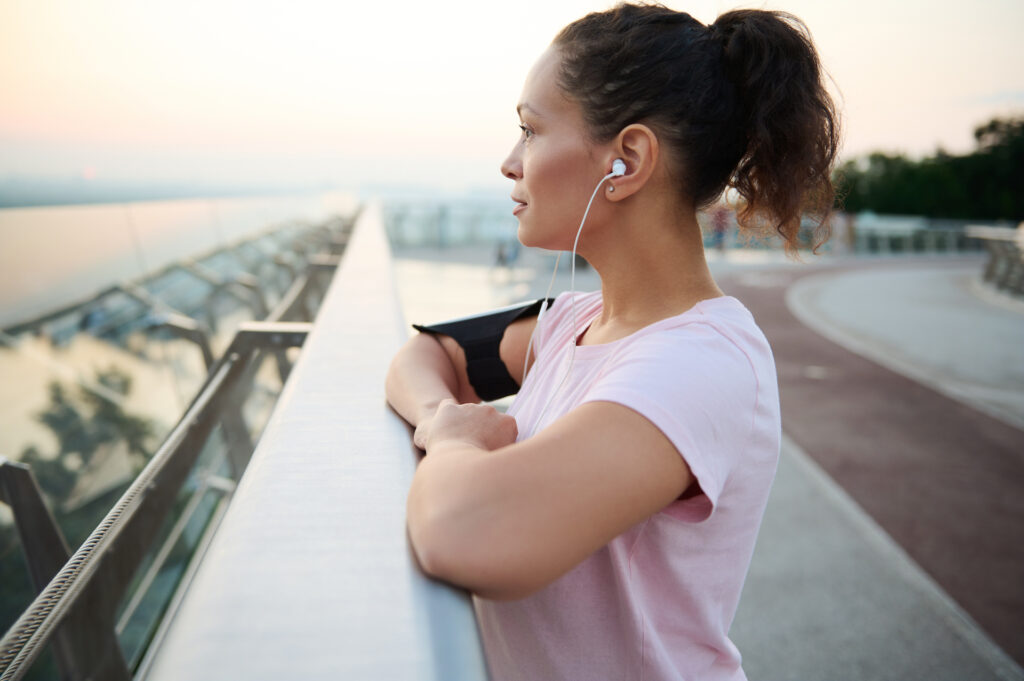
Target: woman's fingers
<point>419,436</point>
<point>479,425</point>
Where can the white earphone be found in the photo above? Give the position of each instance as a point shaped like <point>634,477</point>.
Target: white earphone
<point>618,170</point>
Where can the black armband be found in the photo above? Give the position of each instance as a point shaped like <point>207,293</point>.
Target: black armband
<point>480,337</point>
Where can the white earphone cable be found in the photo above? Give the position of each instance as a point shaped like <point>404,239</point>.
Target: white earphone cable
<point>572,296</point>
<point>540,315</point>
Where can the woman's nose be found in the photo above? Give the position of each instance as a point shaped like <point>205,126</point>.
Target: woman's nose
<point>512,166</point>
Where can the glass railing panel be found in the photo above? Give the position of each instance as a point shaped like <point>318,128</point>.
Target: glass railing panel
<point>90,393</point>
<point>160,573</point>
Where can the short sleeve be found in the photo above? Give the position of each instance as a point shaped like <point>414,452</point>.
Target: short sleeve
<point>700,389</point>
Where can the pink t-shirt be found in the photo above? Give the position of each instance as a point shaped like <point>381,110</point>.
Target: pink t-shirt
<point>657,601</point>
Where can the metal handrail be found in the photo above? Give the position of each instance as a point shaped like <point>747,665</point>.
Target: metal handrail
<point>1005,266</point>
<point>292,300</point>
<point>130,288</point>
<point>317,526</point>
<point>165,550</point>
<point>322,500</point>
<point>23,642</point>
<point>61,599</point>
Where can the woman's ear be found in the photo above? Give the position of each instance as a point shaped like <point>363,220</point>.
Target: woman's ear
<point>637,145</point>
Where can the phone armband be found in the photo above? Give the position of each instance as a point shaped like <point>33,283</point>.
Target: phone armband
<point>480,336</point>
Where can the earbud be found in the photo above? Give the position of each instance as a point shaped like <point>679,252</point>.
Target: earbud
<point>618,168</point>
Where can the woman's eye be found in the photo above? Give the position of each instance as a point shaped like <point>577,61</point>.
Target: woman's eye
<point>527,133</point>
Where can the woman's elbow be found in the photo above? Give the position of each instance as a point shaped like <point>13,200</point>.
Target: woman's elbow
<point>441,550</point>
<point>473,575</point>
<point>428,546</point>
<point>475,564</point>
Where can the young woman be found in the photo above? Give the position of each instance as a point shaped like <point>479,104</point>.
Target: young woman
<point>606,522</point>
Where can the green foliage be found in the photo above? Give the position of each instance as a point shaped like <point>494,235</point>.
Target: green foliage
<point>987,184</point>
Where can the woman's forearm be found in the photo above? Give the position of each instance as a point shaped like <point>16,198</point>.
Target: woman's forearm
<point>420,376</point>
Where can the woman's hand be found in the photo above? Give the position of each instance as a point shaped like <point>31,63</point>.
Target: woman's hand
<point>507,522</point>
<point>476,425</point>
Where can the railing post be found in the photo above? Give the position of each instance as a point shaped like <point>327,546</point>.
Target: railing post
<point>190,330</point>
<point>84,644</point>
<point>42,542</point>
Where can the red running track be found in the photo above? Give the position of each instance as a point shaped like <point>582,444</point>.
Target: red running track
<point>945,480</point>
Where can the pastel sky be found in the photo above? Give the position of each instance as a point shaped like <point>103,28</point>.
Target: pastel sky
<point>417,92</point>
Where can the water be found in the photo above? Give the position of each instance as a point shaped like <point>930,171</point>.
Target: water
<point>56,255</point>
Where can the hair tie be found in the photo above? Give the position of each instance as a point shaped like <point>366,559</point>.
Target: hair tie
<point>715,30</point>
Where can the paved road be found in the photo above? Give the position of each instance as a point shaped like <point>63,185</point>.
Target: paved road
<point>944,479</point>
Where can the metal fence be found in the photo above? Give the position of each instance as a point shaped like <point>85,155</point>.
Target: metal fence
<point>100,609</point>
<point>310,575</point>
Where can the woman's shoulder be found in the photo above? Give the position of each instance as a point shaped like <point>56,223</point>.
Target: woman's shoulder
<point>713,331</point>
<point>585,300</point>
<point>725,316</point>
<point>721,325</point>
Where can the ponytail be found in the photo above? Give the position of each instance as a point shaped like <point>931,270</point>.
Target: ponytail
<point>741,102</point>
<point>792,128</point>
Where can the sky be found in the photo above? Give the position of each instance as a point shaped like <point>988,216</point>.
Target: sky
<point>418,93</point>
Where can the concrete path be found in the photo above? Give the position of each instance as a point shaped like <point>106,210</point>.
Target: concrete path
<point>830,596</point>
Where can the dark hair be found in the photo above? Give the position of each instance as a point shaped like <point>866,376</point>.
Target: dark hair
<point>739,103</point>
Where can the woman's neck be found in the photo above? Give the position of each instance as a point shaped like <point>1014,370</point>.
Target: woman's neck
<point>651,268</point>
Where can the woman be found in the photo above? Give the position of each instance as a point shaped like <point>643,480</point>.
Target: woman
<point>606,523</point>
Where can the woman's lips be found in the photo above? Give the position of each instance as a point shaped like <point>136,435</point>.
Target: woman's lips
<point>520,205</point>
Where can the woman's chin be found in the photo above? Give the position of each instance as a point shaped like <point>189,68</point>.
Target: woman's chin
<point>524,237</point>
<point>531,239</point>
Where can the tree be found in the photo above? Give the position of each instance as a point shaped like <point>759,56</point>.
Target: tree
<point>985,184</point>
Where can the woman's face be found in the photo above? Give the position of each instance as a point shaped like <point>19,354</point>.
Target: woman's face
<point>554,164</point>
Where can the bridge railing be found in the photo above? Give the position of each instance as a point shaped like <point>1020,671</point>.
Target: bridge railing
<point>310,574</point>
<point>1005,267</point>
<point>96,610</point>
<point>77,611</point>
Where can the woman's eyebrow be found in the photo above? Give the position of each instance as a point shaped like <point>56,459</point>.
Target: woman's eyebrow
<point>524,105</point>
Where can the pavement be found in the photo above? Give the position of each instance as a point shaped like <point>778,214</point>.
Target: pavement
<point>893,542</point>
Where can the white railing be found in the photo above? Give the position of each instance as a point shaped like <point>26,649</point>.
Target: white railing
<point>310,575</point>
